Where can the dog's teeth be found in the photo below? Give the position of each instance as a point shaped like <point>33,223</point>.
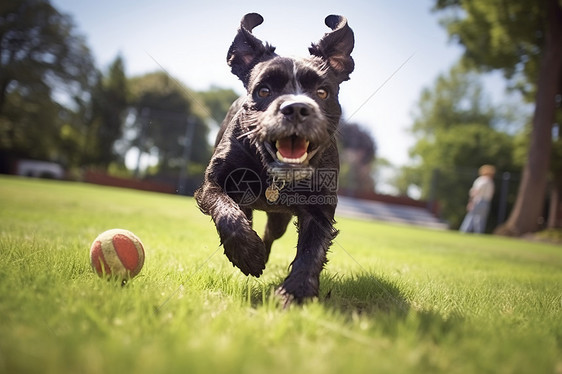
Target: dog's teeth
<point>299,160</point>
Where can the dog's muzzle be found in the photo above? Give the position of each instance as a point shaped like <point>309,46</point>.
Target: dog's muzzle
<point>294,149</point>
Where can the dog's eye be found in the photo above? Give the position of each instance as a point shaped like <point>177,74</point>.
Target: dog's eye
<point>322,93</point>
<point>264,92</point>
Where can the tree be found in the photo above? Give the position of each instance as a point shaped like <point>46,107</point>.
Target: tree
<point>109,103</point>
<point>522,38</point>
<point>357,153</point>
<point>218,100</point>
<point>41,56</point>
<point>168,116</point>
<point>455,130</point>
<point>456,98</point>
<point>555,208</point>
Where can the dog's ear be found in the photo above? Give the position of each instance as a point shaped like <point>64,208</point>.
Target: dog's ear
<point>247,50</point>
<point>336,46</point>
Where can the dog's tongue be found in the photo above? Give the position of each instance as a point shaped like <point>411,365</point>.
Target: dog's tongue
<point>292,147</point>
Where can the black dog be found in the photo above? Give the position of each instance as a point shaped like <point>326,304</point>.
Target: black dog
<point>276,152</point>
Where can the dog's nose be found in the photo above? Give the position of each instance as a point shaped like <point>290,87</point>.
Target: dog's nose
<point>295,111</point>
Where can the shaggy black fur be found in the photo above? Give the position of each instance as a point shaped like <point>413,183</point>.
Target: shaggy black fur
<point>276,152</point>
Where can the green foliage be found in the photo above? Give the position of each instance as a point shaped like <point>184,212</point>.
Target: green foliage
<point>406,177</point>
<point>549,235</point>
<point>40,47</point>
<point>55,105</point>
<point>109,103</point>
<point>456,98</point>
<point>165,109</point>
<point>218,100</point>
<point>500,35</point>
<point>41,56</point>
<point>455,131</point>
<point>357,155</point>
<point>522,38</point>
<point>456,156</point>
<point>20,133</point>
<point>393,299</point>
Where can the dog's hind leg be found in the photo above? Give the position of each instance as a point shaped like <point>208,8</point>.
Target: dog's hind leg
<point>274,229</point>
<point>241,243</point>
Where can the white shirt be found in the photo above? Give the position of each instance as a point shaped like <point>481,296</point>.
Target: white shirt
<point>482,189</point>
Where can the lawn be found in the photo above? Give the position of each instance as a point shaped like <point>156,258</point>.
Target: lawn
<point>393,299</point>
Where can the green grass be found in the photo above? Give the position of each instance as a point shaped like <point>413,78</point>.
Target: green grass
<point>394,299</point>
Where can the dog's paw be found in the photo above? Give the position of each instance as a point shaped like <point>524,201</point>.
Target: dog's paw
<point>246,251</point>
<point>294,291</point>
<point>285,298</point>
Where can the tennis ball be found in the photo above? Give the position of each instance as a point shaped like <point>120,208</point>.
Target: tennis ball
<point>117,254</point>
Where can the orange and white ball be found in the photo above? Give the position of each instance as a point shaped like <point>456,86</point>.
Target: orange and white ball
<point>117,254</point>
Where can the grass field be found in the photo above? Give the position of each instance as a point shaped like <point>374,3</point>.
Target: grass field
<point>394,299</point>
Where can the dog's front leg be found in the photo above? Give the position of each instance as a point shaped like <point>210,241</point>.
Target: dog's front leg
<point>316,232</point>
<point>241,243</point>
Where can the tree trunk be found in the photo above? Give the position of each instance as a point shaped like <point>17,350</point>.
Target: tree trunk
<point>3,92</point>
<point>555,208</point>
<point>529,205</point>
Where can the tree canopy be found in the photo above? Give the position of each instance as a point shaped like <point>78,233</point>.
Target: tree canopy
<point>357,154</point>
<point>41,55</point>
<point>455,130</point>
<point>56,105</point>
<point>108,107</point>
<point>170,124</point>
<point>522,38</point>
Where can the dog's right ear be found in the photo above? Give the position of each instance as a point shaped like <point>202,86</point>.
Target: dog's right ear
<point>247,50</point>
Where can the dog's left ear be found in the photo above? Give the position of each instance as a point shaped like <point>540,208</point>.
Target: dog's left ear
<point>247,50</point>
<point>336,46</point>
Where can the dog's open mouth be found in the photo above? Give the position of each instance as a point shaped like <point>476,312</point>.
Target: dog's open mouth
<point>292,149</point>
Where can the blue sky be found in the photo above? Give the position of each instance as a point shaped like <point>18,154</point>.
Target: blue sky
<point>190,40</point>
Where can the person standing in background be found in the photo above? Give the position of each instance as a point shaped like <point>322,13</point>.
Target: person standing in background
<point>480,197</point>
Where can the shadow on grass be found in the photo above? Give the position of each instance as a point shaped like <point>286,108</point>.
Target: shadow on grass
<point>363,294</point>
<point>368,295</point>
<point>355,294</point>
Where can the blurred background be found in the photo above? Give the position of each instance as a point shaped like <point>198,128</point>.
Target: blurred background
<point>132,94</point>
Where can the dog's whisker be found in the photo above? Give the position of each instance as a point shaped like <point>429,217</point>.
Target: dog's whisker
<point>270,150</point>
<point>248,133</point>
